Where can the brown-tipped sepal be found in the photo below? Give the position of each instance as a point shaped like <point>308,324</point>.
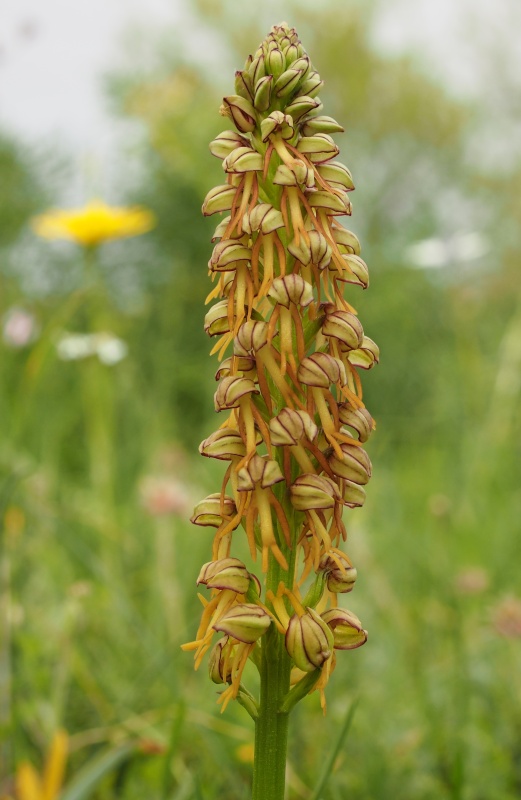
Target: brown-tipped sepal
<point>231,390</point>
<point>354,465</point>
<point>211,511</point>
<point>226,142</point>
<point>348,633</point>
<point>291,288</point>
<point>359,419</point>
<point>290,426</point>
<point>241,111</point>
<point>313,493</point>
<point>261,471</point>
<point>220,198</point>
<point>220,661</point>
<point>321,370</point>
<point>223,444</point>
<point>345,327</point>
<point>226,573</point>
<point>366,356</point>
<point>309,640</point>
<point>340,573</point>
<point>245,622</point>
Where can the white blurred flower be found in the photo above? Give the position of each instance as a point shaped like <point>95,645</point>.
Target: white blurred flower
<point>436,253</point>
<point>76,346</point>
<point>110,350</point>
<point>20,327</point>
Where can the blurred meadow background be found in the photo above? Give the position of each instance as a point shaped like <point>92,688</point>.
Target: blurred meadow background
<point>98,452</point>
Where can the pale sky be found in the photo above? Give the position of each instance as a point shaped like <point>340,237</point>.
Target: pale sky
<point>54,52</point>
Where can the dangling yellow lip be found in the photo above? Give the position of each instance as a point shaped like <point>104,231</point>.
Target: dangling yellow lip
<point>94,224</point>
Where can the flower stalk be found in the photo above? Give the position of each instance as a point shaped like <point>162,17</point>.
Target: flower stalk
<point>291,347</point>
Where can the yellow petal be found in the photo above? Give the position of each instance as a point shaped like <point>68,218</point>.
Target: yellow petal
<point>28,784</point>
<point>55,766</point>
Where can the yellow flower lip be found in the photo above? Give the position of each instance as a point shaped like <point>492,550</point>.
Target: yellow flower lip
<point>94,224</point>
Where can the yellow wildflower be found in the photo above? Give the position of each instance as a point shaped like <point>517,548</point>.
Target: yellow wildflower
<point>30,786</point>
<point>94,224</point>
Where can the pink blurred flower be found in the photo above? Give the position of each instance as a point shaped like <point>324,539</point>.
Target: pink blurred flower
<point>165,495</point>
<point>506,617</point>
<point>20,327</point>
<point>472,580</point>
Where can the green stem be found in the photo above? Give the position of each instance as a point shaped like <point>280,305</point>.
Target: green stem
<point>271,727</point>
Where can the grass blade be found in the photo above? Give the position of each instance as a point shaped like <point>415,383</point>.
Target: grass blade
<point>328,766</point>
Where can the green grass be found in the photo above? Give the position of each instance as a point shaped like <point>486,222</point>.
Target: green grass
<point>101,594</point>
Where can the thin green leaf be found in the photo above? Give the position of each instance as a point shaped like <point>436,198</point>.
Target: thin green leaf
<point>93,773</point>
<point>328,766</point>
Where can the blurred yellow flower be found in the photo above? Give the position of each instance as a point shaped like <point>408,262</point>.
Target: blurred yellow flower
<point>94,224</point>
<point>31,786</point>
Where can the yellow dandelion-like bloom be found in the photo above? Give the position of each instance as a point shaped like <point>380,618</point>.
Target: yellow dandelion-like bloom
<point>94,224</point>
<point>47,786</point>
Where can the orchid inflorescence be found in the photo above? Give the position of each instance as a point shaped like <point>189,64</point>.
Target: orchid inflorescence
<point>296,420</point>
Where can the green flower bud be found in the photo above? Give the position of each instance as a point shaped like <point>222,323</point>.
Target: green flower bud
<point>221,229</point>
<point>277,122</point>
<point>337,175</point>
<point>291,54</point>
<point>226,573</point>
<point>320,249</point>
<point>257,70</point>
<point>264,218</point>
<point>309,640</point>
<point>263,90</point>
<point>345,327</point>
<point>359,273</point>
<point>244,364</point>
<point>357,418</point>
<point>366,356</point>
<point>227,254</point>
<point>313,493</point>
<point>321,125</point>
<point>290,426</point>
<point>223,444</point>
<point>226,142</point>
<point>209,512</point>
<point>341,576</point>
<point>220,656</point>
<point>243,159</point>
<point>291,289</point>
<point>318,148</point>
<point>354,466</point>
<point>241,111</point>
<point>346,239</point>
<point>301,106</point>
<point>332,203</point>
<point>303,63</point>
<point>353,495</point>
<point>231,390</point>
<point>216,319</point>
<point>321,369</point>
<point>300,251</point>
<point>285,176</point>
<point>312,85</point>
<point>245,622</point>
<point>275,62</point>
<point>244,85</point>
<point>347,628</point>
<point>251,336</point>
<point>220,198</point>
<point>261,471</point>
<point>286,84</point>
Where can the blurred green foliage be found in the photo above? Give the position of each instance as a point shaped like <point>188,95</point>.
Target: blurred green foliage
<point>98,464</point>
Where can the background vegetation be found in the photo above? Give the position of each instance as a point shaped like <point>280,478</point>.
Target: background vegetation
<point>98,465</point>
